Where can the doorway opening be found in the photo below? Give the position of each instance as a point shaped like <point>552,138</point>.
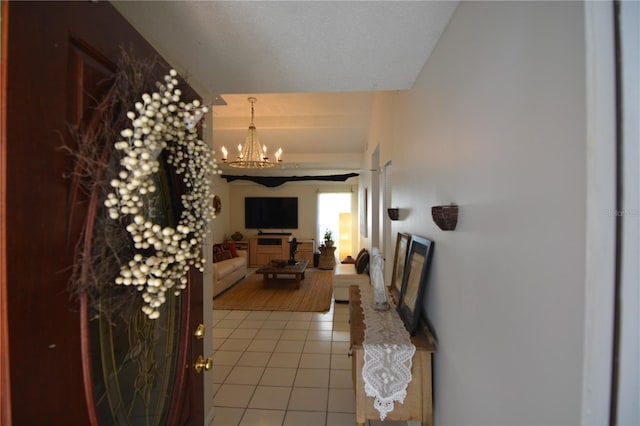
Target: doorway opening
<point>335,215</point>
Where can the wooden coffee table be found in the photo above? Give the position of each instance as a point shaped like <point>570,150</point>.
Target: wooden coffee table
<point>273,270</point>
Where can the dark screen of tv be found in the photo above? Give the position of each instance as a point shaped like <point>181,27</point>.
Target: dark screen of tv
<point>271,212</point>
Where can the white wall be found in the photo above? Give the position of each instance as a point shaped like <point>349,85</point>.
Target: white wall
<point>307,193</point>
<point>220,225</point>
<point>381,135</point>
<point>496,123</point>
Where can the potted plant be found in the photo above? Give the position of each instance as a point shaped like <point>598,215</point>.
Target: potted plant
<point>328,238</point>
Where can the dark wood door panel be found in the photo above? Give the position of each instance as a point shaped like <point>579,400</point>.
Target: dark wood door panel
<point>59,54</point>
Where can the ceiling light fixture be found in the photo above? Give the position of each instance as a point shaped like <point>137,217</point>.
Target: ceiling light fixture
<point>252,155</point>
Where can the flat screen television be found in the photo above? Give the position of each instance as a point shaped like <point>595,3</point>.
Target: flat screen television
<point>271,212</point>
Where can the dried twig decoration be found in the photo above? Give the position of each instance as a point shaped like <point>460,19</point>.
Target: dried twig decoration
<point>122,245</point>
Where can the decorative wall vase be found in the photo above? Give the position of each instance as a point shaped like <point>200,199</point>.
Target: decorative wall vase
<point>394,213</point>
<point>446,217</point>
<point>217,205</point>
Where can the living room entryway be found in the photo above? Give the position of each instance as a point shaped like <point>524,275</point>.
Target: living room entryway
<point>335,215</point>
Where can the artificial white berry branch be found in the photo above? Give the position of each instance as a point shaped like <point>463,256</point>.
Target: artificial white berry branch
<point>164,254</point>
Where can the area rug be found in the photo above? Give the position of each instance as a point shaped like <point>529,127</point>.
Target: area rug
<point>250,294</point>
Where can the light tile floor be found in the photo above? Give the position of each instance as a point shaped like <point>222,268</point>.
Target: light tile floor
<point>283,368</point>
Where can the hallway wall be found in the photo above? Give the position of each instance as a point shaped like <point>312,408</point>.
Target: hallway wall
<point>496,123</point>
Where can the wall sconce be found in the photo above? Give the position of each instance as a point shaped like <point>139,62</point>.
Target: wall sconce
<point>394,213</point>
<point>446,217</point>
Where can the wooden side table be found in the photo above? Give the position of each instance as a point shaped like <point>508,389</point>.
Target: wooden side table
<point>327,259</point>
<point>418,404</point>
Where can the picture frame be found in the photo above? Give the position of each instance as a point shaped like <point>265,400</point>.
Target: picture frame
<point>399,262</point>
<point>414,281</point>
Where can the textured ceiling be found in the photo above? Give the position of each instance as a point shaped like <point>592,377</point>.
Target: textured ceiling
<point>313,65</point>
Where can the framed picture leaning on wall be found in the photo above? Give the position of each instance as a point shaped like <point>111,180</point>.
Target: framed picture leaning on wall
<point>414,281</point>
<point>400,258</point>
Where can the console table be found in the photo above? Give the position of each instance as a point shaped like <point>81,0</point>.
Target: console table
<point>418,404</point>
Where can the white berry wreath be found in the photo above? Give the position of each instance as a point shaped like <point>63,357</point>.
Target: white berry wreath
<point>163,254</point>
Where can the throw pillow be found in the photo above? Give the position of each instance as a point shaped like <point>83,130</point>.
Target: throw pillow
<point>362,262</point>
<point>232,248</point>
<point>220,247</point>
<point>360,253</point>
<point>221,255</point>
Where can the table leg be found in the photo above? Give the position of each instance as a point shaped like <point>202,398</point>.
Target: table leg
<point>359,388</point>
<point>427,392</point>
<point>298,280</point>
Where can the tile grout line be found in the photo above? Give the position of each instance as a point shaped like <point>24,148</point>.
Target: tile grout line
<point>282,332</point>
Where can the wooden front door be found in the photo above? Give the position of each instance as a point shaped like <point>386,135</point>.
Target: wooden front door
<point>59,59</point>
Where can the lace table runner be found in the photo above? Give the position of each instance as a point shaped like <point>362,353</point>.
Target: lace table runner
<point>388,353</point>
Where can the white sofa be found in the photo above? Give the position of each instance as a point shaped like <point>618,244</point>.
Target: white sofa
<point>228,272</point>
<point>344,276</point>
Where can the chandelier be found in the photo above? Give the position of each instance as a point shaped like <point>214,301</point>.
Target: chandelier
<point>252,155</point>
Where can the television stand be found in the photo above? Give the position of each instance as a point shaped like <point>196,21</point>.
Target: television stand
<point>263,248</point>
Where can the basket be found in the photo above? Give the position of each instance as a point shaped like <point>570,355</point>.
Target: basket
<point>446,217</point>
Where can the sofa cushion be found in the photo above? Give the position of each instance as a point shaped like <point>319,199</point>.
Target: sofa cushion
<point>345,269</point>
<point>225,267</point>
